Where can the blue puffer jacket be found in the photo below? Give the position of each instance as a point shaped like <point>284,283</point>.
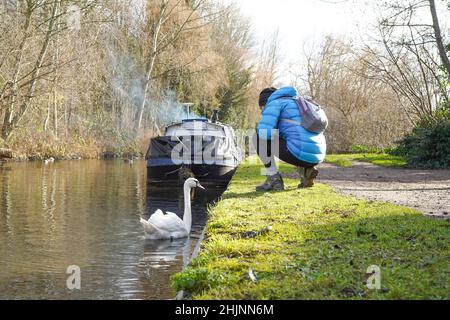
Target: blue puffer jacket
<point>303,144</point>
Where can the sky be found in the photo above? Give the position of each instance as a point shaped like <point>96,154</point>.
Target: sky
<point>301,20</point>
<point>306,22</point>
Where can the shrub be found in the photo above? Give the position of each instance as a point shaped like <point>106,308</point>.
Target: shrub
<point>428,146</point>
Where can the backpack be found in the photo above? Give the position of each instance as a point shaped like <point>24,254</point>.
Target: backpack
<point>313,116</point>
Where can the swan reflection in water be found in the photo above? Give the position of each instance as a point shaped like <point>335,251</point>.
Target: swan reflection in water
<point>161,253</point>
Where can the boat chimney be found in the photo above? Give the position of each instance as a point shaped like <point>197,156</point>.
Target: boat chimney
<point>215,117</point>
<point>187,108</point>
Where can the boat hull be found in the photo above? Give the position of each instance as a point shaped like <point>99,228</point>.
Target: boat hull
<point>193,148</point>
<point>209,175</point>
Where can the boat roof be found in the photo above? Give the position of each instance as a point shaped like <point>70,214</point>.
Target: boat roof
<point>198,119</point>
<point>207,127</point>
<point>203,119</point>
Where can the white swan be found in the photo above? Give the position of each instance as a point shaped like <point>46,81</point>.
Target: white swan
<point>168,225</point>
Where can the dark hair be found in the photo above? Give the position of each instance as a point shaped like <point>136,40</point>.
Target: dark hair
<point>265,95</point>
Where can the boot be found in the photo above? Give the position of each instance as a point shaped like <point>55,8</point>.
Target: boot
<point>273,183</point>
<point>307,177</point>
<point>301,171</point>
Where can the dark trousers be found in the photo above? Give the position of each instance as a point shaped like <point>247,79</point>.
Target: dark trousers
<point>267,158</point>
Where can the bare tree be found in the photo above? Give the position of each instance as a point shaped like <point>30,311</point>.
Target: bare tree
<point>439,39</point>
<point>38,27</point>
<point>409,56</point>
<point>361,108</point>
<point>188,18</point>
<point>13,115</point>
<point>269,61</point>
<point>92,89</point>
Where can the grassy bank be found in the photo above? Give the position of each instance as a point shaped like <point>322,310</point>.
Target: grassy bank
<point>384,160</point>
<point>320,247</point>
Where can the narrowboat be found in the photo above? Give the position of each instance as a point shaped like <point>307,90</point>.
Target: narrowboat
<point>195,147</point>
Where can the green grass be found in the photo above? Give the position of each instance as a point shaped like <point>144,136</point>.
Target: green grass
<point>385,160</point>
<point>320,247</point>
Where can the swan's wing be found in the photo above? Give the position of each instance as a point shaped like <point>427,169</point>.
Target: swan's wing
<point>148,227</point>
<point>158,213</point>
<point>169,222</point>
<point>172,215</point>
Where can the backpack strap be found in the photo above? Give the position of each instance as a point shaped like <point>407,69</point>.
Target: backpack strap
<point>300,124</point>
<point>300,104</point>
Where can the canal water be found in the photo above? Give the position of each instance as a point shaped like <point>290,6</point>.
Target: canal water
<point>86,214</point>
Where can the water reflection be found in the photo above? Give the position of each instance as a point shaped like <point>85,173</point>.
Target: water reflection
<point>87,214</point>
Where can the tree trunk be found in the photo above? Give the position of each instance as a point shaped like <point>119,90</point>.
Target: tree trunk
<point>152,59</point>
<point>146,89</point>
<point>13,121</point>
<point>47,118</point>
<point>12,99</point>
<point>55,89</point>
<point>439,40</point>
<point>55,113</point>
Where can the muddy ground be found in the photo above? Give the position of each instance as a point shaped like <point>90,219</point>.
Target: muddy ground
<point>427,191</point>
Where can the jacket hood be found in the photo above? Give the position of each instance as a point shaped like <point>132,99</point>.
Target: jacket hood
<point>285,92</point>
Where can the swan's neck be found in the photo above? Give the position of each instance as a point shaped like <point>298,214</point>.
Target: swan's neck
<point>187,218</point>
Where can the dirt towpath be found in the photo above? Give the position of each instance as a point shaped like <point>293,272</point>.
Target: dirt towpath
<point>427,191</point>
